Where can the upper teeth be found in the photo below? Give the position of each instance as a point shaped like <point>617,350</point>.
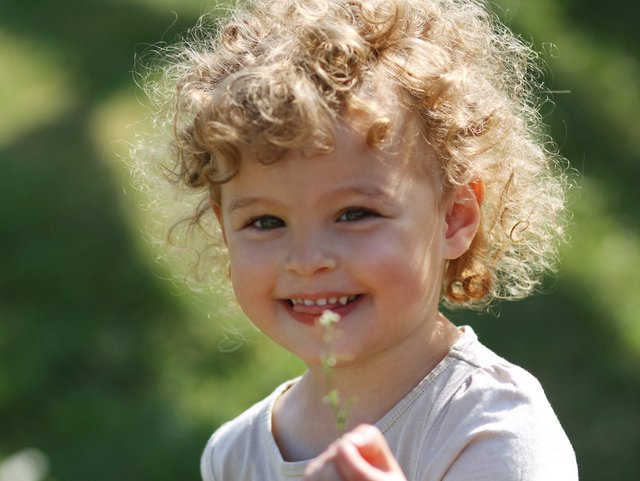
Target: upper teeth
<point>323,301</point>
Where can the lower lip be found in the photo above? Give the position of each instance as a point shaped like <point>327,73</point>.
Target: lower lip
<point>312,319</point>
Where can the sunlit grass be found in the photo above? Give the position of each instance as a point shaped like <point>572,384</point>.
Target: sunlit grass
<point>34,87</point>
<point>114,125</point>
<point>603,72</point>
<point>191,7</point>
<point>603,257</point>
<point>603,261</point>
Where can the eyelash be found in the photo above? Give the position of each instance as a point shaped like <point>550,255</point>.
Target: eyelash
<point>361,214</point>
<point>254,222</point>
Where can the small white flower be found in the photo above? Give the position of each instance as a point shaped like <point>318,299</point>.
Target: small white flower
<point>329,318</point>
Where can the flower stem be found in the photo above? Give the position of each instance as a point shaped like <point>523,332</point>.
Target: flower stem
<point>339,407</point>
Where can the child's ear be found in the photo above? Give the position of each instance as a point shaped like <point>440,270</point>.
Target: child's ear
<point>463,218</point>
<point>217,210</point>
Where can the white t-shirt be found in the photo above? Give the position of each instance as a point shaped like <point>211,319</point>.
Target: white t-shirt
<point>474,417</point>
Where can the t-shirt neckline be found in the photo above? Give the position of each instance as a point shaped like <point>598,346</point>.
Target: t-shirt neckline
<point>296,468</point>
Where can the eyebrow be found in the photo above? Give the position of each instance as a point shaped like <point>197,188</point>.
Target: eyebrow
<point>242,202</point>
<point>363,190</point>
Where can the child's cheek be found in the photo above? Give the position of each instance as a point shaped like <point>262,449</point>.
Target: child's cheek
<point>249,266</point>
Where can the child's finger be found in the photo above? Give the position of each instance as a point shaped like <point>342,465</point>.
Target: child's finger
<point>360,455</point>
<point>373,447</point>
<point>323,468</point>
<point>363,455</point>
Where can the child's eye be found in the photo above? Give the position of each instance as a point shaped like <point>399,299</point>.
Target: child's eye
<point>265,222</point>
<point>355,214</point>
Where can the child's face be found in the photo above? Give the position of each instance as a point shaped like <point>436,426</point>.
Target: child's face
<point>358,231</point>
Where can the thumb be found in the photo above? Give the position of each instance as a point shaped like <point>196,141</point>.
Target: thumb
<point>373,448</point>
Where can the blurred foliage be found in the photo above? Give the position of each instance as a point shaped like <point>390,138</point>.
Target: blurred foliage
<point>109,371</point>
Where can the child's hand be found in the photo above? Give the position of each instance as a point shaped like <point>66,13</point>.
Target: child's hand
<point>360,455</point>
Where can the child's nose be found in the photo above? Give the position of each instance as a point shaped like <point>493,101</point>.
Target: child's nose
<point>309,254</point>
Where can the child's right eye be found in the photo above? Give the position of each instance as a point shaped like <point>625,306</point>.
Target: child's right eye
<point>265,222</point>
<point>354,214</point>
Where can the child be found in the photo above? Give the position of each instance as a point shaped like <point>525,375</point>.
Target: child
<point>376,159</point>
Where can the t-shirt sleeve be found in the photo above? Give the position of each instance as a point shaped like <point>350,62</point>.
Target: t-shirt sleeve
<point>501,428</point>
<point>206,462</point>
<point>242,448</point>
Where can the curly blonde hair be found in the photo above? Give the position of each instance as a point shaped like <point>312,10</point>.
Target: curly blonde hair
<point>276,75</point>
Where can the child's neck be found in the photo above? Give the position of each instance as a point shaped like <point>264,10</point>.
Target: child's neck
<point>304,425</point>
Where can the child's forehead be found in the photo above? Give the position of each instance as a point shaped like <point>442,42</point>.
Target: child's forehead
<point>351,169</point>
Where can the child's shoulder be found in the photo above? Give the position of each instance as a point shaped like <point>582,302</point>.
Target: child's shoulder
<point>469,384</point>
<point>499,407</point>
<point>491,378</point>
<point>482,417</point>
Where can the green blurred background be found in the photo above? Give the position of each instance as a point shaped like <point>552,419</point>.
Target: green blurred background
<point>110,372</point>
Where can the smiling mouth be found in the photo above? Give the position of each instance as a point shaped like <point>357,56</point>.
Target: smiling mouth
<point>326,302</point>
<point>307,310</point>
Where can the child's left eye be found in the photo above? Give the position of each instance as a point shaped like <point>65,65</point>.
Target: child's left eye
<point>265,222</point>
<point>355,214</point>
